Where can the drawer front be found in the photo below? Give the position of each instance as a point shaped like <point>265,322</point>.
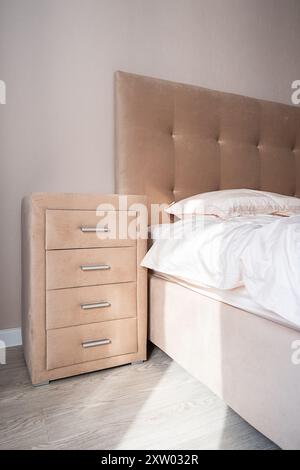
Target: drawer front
<point>88,267</point>
<point>86,229</point>
<point>77,344</point>
<point>82,305</point>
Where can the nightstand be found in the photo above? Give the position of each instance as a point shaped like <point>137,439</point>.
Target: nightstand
<point>84,293</point>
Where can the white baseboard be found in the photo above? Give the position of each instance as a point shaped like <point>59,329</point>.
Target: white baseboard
<point>11,337</point>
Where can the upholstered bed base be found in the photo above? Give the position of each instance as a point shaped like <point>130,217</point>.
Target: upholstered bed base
<point>244,359</point>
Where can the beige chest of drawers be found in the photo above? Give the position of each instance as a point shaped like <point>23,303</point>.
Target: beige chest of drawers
<point>84,294</point>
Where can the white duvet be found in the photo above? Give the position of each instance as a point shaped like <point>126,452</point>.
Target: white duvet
<point>260,252</point>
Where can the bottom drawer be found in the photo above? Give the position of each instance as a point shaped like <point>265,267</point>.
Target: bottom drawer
<point>84,343</point>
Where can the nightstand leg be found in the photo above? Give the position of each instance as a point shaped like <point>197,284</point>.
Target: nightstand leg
<point>42,384</point>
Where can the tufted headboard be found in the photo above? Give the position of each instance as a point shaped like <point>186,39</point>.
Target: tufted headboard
<point>174,141</point>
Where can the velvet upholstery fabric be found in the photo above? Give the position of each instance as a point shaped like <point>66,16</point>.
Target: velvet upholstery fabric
<point>174,141</point>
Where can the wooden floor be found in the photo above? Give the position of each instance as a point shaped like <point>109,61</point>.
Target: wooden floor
<point>155,405</point>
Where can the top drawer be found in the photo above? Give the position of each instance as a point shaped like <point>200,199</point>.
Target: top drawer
<point>86,229</point>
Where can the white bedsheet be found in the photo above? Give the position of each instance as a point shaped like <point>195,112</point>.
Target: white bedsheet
<point>260,252</point>
<point>238,298</point>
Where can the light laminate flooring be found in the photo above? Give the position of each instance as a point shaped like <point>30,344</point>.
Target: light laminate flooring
<point>154,405</point>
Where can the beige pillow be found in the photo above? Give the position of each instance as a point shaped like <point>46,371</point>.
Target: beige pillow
<point>235,202</point>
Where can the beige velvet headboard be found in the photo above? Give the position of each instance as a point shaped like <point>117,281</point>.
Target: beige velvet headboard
<point>174,140</point>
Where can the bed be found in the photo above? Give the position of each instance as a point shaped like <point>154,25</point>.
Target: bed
<point>174,141</point>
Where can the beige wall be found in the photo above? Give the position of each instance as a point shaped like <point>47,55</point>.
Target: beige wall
<point>58,57</point>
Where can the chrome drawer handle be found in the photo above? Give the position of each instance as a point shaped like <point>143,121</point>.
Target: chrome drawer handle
<point>99,267</point>
<point>96,305</point>
<point>103,229</point>
<point>94,344</point>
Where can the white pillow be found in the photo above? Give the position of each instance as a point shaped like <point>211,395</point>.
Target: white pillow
<point>235,202</point>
